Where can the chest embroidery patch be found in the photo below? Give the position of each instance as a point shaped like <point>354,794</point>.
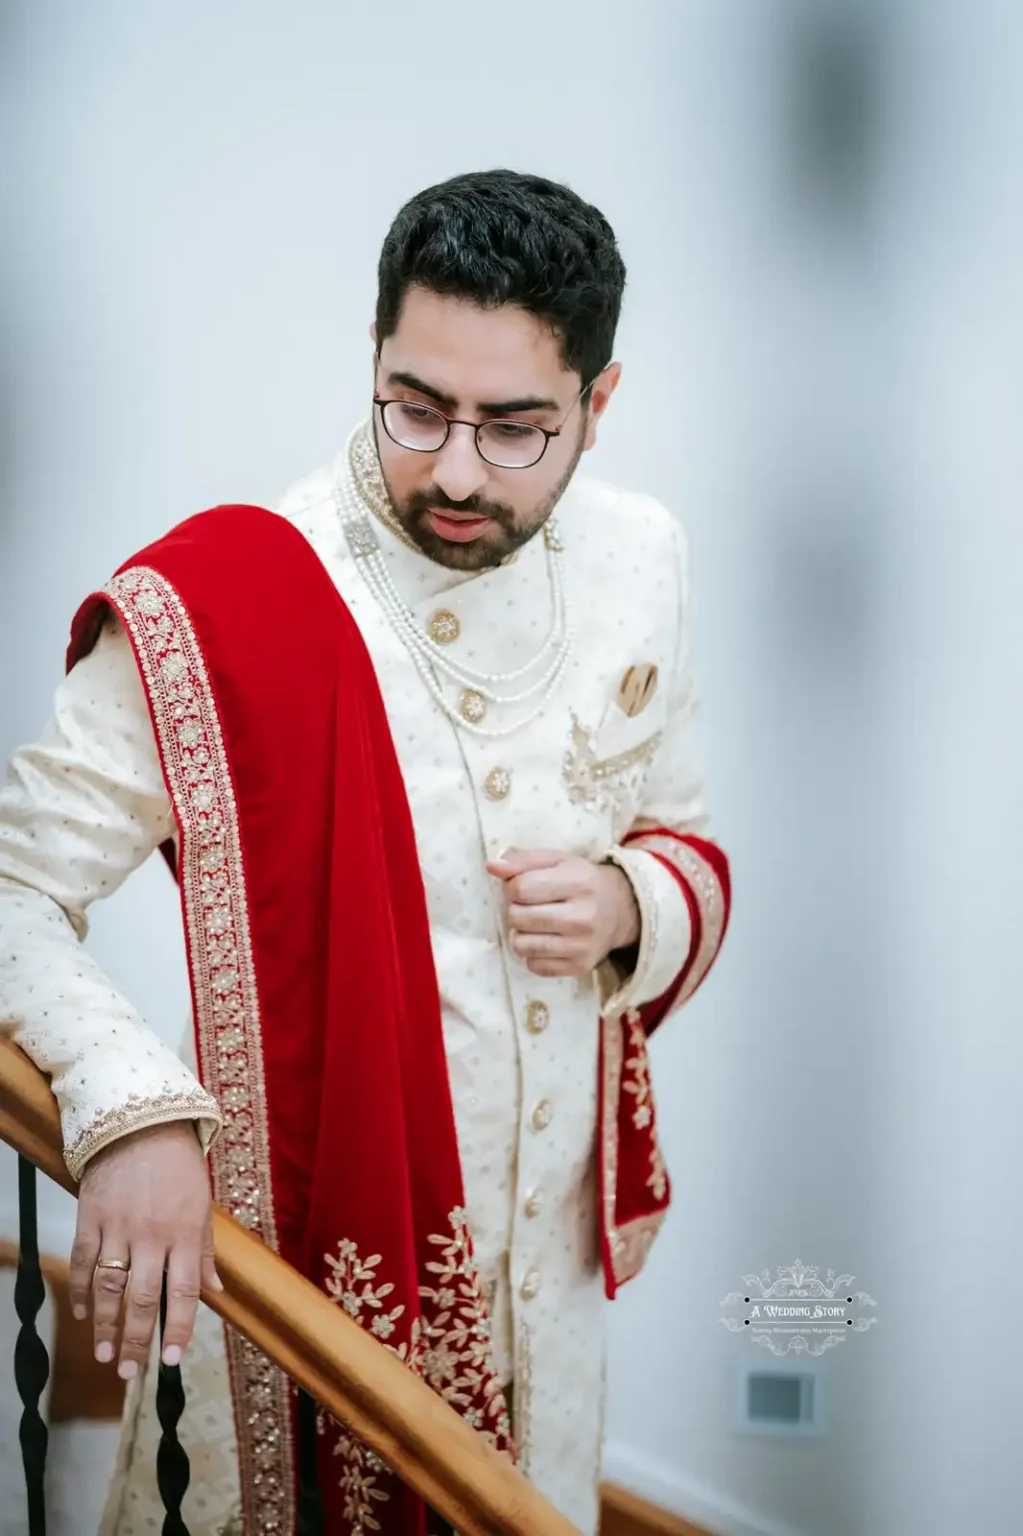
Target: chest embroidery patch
<point>604,783</point>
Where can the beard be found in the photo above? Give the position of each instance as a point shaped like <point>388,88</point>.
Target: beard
<point>509,530</point>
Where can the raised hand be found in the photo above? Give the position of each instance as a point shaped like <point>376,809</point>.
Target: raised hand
<point>565,913</point>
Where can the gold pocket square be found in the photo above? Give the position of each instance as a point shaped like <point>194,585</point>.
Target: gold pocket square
<point>637,688</point>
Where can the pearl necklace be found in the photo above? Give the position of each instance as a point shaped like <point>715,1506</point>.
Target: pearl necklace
<point>364,487</point>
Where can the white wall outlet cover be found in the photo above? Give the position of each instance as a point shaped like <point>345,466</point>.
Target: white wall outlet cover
<point>776,1397</point>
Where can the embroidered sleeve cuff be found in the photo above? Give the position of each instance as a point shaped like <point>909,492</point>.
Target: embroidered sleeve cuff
<point>665,933</point>
<point>109,1072</point>
<point>138,1113</point>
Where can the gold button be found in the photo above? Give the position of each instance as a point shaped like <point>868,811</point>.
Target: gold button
<point>444,627</point>
<point>534,1203</point>
<point>497,784</point>
<point>472,706</point>
<point>542,1115</point>
<point>538,1016</point>
<point>530,1284</point>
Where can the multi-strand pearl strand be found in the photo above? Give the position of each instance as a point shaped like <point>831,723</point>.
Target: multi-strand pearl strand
<point>478,688</point>
<point>428,648</point>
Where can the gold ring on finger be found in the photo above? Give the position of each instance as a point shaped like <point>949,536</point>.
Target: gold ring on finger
<point>121,1264</point>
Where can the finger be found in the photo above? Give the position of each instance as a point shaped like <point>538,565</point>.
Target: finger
<point>184,1273</point>
<point>563,917</point>
<point>541,887</point>
<point>108,1288</point>
<point>515,861</point>
<point>142,1308</point>
<point>211,1281</point>
<point>543,946</point>
<point>84,1253</point>
<point>558,967</point>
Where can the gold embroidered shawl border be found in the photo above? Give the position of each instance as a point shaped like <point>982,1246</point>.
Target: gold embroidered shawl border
<point>212,882</point>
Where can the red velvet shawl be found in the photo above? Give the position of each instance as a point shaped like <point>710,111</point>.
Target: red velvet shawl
<point>315,999</point>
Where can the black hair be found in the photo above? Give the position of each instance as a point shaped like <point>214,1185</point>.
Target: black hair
<point>500,237</point>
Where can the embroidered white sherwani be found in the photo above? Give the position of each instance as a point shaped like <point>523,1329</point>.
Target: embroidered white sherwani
<point>87,805</point>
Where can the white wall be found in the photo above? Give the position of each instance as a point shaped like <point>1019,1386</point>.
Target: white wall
<point>947,1421</point>
<point>199,192</point>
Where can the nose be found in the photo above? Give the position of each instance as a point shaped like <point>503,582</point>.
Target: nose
<point>458,468</point>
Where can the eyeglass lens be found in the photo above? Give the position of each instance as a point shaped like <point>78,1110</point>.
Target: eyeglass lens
<point>505,444</point>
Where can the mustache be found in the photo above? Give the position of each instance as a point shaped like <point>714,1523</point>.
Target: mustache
<point>436,500</point>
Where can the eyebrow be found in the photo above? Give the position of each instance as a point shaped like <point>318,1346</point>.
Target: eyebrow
<point>484,407</point>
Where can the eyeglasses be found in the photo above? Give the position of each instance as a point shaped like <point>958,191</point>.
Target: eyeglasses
<point>504,444</point>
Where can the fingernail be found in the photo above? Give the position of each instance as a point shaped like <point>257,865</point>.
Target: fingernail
<point>104,1353</point>
<point>79,1313</point>
<point>127,1369</point>
<point>172,1355</point>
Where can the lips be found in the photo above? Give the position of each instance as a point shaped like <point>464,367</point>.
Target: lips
<point>457,527</point>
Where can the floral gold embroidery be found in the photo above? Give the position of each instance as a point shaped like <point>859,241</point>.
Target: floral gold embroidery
<point>630,1242</point>
<point>603,783</point>
<point>350,1284</point>
<point>658,1180</point>
<point>639,1083</point>
<point>134,1115</point>
<point>359,1475</point>
<point>226,1004</point>
<point>640,1087</point>
<point>457,1361</point>
<point>634,1241</point>
<point>364,464</point>
<point>448,1345</point>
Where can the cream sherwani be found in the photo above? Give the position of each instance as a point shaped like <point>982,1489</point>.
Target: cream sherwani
<point>86,805</point>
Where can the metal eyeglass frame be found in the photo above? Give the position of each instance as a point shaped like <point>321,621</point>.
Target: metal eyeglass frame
<point>478,426</point>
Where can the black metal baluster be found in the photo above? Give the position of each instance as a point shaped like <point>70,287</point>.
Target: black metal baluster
<point>173,1472</point>
<point>311,1517</point>
<point>31,1362</point>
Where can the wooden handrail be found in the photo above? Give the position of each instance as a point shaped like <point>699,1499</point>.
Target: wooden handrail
<point>350,1373</point>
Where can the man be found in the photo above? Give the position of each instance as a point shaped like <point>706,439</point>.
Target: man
<point>469,1173</point>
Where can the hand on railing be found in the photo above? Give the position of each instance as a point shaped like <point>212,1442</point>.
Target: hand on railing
<point>143,1207</point>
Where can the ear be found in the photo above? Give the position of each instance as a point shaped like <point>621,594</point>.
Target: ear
<point>373,333</point>
<point>603,388</point>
